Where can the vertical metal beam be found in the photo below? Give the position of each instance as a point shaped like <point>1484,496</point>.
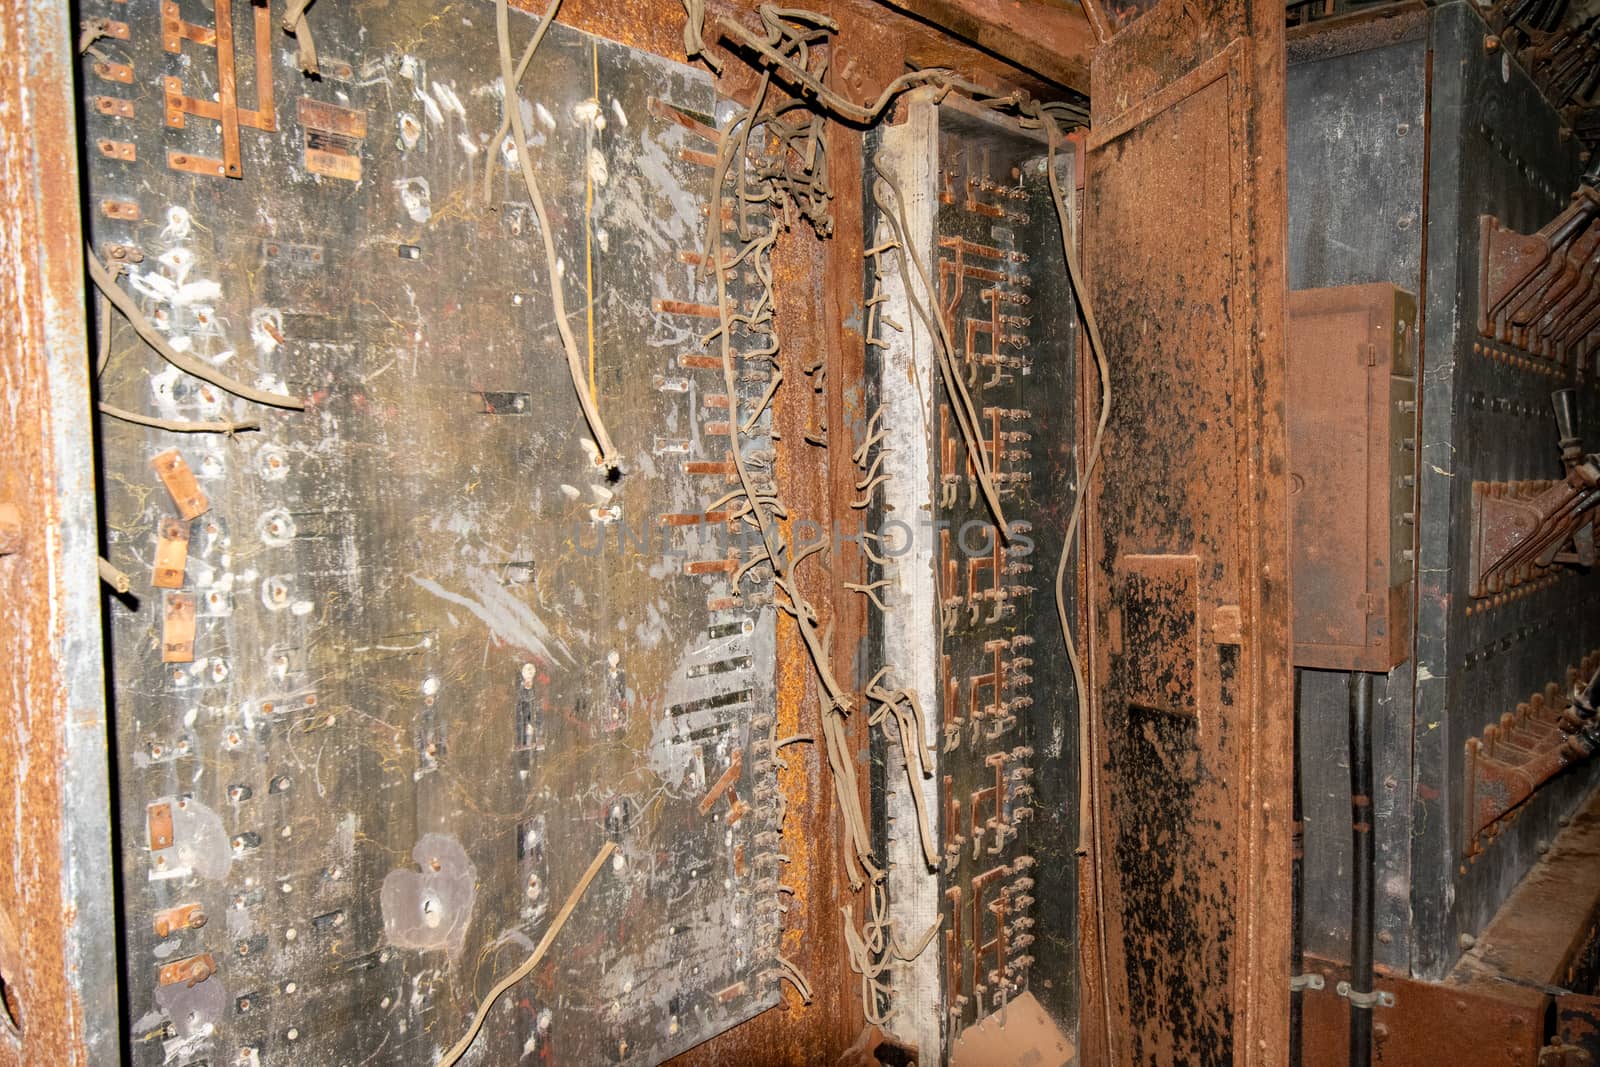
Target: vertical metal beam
<point>1187,536</point>
<point>55,882</point>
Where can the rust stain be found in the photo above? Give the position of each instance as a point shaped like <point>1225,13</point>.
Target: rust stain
<point>40,269</point>
<point>724,783</point>
<point>1190,808</point>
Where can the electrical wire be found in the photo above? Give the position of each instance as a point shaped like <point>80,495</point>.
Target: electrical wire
<point>1071,539</point>
<point>183,361</point>
<point>504,129</point>
<point>102,335</point>
<point>298,26</point>
<point>694,45</point>
<point>906,709</point>
<point>459,1049</point>
<point>955,385</point>
<point>177,425</point>
<point>759,508</point>
<point>115,578</point>
<point>512,106</point>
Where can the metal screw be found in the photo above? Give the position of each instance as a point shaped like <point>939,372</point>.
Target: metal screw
<point>1491,43</point>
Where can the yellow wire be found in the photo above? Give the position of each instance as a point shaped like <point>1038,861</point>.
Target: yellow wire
<point>588,226</point>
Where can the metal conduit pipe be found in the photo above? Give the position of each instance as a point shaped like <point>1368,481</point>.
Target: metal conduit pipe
<point>1296,891</point>
<point>1362,862</point>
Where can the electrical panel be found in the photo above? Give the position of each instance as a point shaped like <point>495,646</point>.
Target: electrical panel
<point>396,665</point>
<point>969,313</point>
<point>1352,479</point>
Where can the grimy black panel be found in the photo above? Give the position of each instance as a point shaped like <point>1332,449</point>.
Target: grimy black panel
<point>1495,149</point>
<point>1001,696</point>
<point>1357,153</point>
<point>439,656</point>
<point>1007,710</point>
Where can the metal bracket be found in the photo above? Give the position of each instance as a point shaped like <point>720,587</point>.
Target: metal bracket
<point>1301,982</point>
<point>1377,998</point>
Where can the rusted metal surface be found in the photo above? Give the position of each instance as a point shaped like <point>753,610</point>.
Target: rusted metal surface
<point>1054,40</point>
<point>1523,981</point>
<point>1192,805</point>
<point>1515,757</point>
<point>1578,1029</point>
<point>1321,27</point>
<point>1540,296</point>
<point>1560,47</point>
<point>806,273</point>
<point>1459,1022</point>
<point>1541,934</point>
<point>1521,529</point>
<point>1352,474</point>
<point>57,960</point>
<point>11,534</point>
<point>1540,292</point>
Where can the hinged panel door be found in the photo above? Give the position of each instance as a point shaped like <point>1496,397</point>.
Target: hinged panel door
<point>1187,543</point>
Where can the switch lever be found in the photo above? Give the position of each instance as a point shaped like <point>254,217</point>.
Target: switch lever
<point>1565,402</point>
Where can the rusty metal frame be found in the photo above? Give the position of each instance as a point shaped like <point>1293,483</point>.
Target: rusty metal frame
<point>55,895</point>
<point>1053,40</point>
<point>1522,970</point>
<point>1156,493</point>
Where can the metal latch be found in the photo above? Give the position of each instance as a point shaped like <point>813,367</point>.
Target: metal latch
<point>1377,998</point>
<point>1301,982</point>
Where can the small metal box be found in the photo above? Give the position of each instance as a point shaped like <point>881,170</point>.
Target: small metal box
<point>1352,481</point>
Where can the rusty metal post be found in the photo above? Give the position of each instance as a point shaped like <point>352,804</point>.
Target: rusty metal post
<point>57,918</point>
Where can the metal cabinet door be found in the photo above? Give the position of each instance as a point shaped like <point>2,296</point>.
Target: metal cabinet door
<point>1186,546</point>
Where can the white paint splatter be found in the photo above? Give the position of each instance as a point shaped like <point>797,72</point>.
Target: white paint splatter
<point>448,100</point>
<point>410,130</point>
<point>178,224</point>
<point>416,198</point>
<point>507,617</point>
<point>266,326</point>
